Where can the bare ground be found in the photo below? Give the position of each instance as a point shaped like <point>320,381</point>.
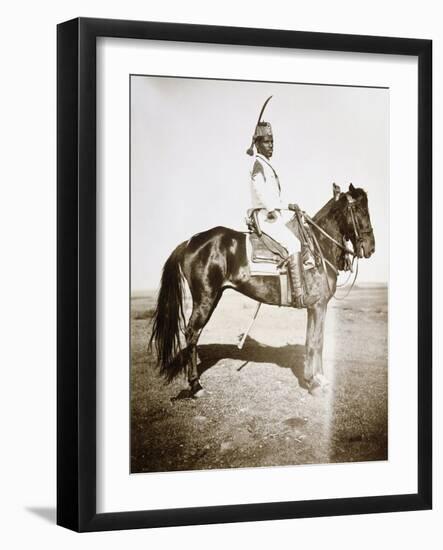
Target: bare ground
<point>255,412</point>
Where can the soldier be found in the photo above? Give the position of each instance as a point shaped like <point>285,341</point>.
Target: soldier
<point>275,213</point>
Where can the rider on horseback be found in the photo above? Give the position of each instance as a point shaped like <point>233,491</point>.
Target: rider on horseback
<point>274,213</point>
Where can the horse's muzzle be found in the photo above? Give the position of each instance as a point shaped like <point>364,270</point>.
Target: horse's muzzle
<point>365,248</point>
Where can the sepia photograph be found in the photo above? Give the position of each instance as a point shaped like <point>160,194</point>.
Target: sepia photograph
<point>259,273</point>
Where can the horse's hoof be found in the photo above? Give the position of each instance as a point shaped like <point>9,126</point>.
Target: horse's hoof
<point>322,380</point>
<point>313,387</point>
<point>197,390</point>
<point>315,391</point>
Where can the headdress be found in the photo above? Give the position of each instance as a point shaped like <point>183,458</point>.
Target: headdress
<point>262,129</point>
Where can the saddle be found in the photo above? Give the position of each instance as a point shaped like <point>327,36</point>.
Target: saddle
<point>267,257</point>
<point>263,247</point>
<point>266,249</point>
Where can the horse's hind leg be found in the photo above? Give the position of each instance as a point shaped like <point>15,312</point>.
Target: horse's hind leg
<point>201,313</point>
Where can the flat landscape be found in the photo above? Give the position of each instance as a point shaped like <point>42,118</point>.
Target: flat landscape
<point>255,412</point>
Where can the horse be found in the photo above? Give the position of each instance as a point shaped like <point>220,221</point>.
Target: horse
<point>216,259</point>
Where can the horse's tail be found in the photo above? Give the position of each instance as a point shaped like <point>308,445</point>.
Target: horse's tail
<point>169,319</point>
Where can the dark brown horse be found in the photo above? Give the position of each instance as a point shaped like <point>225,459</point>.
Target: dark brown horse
<point>214,260</point>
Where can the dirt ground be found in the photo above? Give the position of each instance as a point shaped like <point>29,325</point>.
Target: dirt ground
<point>255,412</point>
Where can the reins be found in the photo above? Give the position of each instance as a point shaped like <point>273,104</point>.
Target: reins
<point>345,283</point>
<point>312,222</point>
<point>326,262</point>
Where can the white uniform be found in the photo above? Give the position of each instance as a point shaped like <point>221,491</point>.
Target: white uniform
<point>266,195</point>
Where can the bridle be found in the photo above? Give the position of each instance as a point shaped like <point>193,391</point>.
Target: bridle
<point>358,231</point>
<point>359,235</point>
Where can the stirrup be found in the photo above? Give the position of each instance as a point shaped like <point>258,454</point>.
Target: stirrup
<point>303,300</point>
<point>311,299</point>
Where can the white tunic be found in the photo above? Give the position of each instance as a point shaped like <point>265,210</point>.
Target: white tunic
<point>265,186</point>
<point>266,195</point>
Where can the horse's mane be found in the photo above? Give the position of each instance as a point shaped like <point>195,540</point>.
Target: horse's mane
<point>328,208</point>
<point>324,210</point>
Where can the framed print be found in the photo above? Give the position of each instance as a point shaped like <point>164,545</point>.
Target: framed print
<point>244,274</point>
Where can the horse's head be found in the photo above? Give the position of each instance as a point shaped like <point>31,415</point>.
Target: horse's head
<point>356,222</point>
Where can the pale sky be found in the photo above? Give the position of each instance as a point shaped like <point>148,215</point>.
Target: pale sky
<point>190,171</point>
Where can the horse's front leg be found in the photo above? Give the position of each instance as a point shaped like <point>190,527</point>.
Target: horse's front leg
<point>313,373</point>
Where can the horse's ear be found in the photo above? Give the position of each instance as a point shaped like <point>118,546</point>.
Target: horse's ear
<point>351,188</point>
<point>336,191</point>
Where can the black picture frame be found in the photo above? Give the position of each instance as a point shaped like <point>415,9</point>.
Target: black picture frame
<point>76,266</point>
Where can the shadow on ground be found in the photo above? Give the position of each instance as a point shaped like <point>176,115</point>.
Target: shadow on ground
<point>288,357</point>
<point>46,513</point>
<point>257,411</point>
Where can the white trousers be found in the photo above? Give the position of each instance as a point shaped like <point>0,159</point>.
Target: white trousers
<point>277,229</point>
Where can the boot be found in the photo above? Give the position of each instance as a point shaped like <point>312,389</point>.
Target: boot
<point>300,299</point>
<point>296,280</point>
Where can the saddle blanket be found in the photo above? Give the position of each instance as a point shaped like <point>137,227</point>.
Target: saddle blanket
<point>264,262</point>
<point>264,256</point>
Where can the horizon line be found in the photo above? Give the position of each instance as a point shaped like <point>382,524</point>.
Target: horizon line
<point>360,284</point>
